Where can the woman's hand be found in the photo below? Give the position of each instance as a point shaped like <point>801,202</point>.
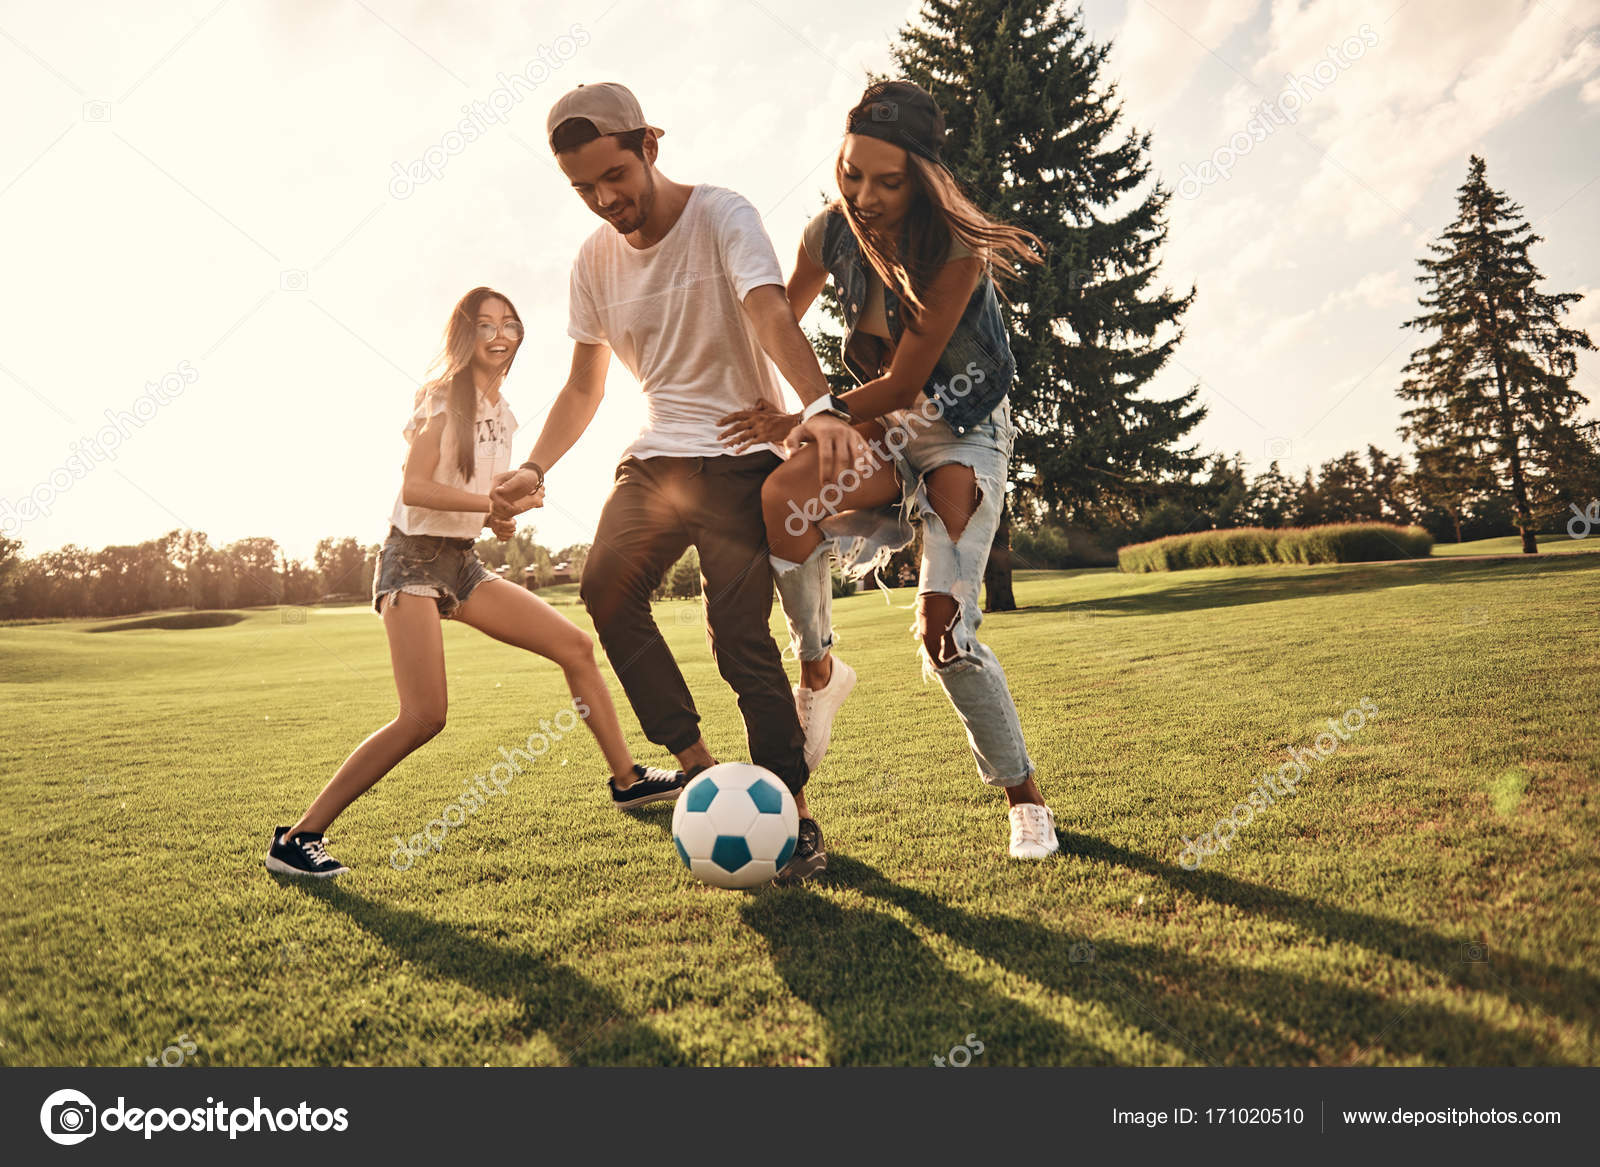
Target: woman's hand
<point>504,529</point>
<point>756,426</point>
<point>840,446</point>
<point>515,491</point>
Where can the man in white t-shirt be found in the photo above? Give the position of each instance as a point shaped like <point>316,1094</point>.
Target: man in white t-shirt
<point>683,285</point>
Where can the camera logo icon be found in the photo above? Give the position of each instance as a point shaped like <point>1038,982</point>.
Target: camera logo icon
<point>886,111</point>
<point>292,280</point>
<point>68,1117</point>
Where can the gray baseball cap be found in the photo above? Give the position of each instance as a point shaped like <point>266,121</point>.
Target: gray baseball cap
<point>609,105</point>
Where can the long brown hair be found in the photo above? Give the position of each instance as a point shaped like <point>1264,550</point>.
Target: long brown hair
<point>940,211</point>
<point>452,369</point>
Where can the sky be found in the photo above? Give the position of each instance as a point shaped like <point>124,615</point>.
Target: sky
<point>224,288</point>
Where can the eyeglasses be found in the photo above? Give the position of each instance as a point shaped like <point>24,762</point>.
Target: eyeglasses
<point>511,330</point>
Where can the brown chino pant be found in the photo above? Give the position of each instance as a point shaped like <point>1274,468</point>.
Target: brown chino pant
<point>658,508</point>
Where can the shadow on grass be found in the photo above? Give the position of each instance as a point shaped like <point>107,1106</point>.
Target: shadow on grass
<point>1555,991</point>
<point>1184,595</point>
<point>588,1023</point>
<point>886,998</point>
<point>1225,1013</point>
<point>176,620</point>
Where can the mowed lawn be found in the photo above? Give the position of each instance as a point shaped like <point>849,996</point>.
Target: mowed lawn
<point>1431,895</point>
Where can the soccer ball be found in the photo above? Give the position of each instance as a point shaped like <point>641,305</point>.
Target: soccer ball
<point>735,825</point>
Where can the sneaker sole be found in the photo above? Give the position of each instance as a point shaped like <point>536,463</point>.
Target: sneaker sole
<point>279,867</point>
<point>664,796</point>
<point>800,870</point>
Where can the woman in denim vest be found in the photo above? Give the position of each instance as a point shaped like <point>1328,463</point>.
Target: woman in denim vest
<point>913,263</point>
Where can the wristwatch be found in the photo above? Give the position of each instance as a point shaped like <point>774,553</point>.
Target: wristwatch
<point>827,403</point>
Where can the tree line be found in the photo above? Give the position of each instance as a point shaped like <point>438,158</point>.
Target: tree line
<point>182,569</point>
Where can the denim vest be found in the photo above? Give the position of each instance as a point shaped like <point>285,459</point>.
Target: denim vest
<point>974,372</point>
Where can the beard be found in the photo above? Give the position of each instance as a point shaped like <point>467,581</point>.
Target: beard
<point>641,210</point>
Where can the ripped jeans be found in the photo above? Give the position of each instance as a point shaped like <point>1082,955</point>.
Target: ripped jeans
<point>865,539</point>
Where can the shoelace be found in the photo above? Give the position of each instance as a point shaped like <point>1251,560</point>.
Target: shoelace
<point>316,851</point>
<point>1030,824</point>
<point>652,774</point>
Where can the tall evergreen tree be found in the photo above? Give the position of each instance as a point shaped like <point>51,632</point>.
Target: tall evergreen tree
<point>1494,386</point>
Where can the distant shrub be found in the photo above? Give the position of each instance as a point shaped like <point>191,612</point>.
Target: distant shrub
<point>1052,546</point>
<point>1333,543</point>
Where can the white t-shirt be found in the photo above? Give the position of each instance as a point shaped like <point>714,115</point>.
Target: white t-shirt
<point>495,426</point>
<point>674,313</point>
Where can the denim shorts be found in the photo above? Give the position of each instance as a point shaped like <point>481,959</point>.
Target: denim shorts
<point>449,570</point>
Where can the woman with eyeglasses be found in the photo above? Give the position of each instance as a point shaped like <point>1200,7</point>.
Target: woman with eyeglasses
<point>460,437</point>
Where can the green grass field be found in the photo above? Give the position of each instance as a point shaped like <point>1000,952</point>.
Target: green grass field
<point>1430,896</point>
<point>1512,545</point>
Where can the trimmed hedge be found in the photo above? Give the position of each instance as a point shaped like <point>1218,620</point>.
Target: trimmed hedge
<point>1334,543</point>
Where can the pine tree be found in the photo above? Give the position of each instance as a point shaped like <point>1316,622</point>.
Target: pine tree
<point>1494,388</point>
<point>1271,500</point>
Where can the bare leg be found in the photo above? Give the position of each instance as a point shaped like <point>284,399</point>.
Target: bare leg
<point>416,650</point>
<point>517,617</point>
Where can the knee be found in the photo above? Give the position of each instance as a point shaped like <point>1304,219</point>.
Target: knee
<point>599,591</point>
<point>936,621</point>
<point>778,507</point>
<point>576,650</point>
<point>422,725</point>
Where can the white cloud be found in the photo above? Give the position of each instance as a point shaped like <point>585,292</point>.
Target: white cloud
<point>1159,50</point>
<point>1422,99</point>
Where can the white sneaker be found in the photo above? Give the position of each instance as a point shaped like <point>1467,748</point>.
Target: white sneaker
<point>1033,832</point>
<point>817,707</point>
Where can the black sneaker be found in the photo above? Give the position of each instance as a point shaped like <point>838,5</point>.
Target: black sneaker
<point>809,858</point>
<point>301,855</point>
<point>649,785</point>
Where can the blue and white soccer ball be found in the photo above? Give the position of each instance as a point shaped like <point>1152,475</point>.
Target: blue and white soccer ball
<point>735,825</point>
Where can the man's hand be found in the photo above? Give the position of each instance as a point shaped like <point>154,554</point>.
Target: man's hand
<point>756,426</point>
<point>839,446</point>
<point>515,491</point>
<point>504,529</point>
